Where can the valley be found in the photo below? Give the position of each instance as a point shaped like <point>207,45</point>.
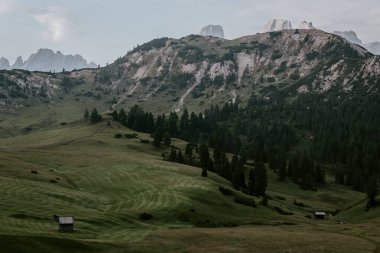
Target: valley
<point>201,144</point>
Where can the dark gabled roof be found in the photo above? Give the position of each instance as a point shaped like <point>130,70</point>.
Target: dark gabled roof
<point>66,220</point>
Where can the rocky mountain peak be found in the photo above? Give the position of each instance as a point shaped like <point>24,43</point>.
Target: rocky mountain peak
<point>4,63</point>
<point>277,25</point>
<point>212,30</point>
<point>350,36</point>
<point>306,25</point>
<point>19,63</point>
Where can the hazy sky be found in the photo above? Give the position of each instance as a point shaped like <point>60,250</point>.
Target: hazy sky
<point>102,30</point>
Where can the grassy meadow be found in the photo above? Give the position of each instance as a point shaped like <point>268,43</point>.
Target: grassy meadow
<point>106,182</point>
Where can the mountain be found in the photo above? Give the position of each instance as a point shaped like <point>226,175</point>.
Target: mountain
<point>4,63</point>
<point>47,60</point>
<point>212,30</point>
<point>350,36</point>
<point>373,47</point>
<point>277,25</point>
<point>306,25</point>
<point>19,63</point>
<point>195,72</point>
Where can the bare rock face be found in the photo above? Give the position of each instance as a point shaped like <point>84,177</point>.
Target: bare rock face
<point>350,36</point>
<point>306,25</point>
<point>213,31</point>
<point>277,25</point>
<point>4,63</point>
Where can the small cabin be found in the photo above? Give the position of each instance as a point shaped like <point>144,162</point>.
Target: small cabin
<point>320,215</point>
<point>66,223</point>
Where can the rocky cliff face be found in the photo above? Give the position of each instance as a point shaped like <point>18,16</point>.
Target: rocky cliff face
<point>47,60</point>
<point>213,31</point>
<point>306,25</point>
<point>350,36</point>
<point>277,25</point>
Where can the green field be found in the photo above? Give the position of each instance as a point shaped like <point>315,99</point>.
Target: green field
<point>105,183</point>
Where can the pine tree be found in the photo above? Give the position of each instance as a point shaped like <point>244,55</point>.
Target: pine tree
<point>282,170</point>
<point>173,155</point>
<point>95,117</point>
<point>122,117</point>
<point>115,116</point>
<point>251,182</point>
<point>180,158</point>
<point>86,114</point>
<point>204,156</point>
<point>157,138</point>
<point>371,189</point>
<point>189,150</point>
<point>167,139</point>
<point>260,183</point>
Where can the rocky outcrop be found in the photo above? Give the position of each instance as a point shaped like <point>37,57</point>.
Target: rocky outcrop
<point>277,25</point>
<point>213,31</point>
<point>306,25</point>
<point>350,36</point>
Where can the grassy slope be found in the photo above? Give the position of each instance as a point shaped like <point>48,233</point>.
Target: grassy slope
<point>106,182</point>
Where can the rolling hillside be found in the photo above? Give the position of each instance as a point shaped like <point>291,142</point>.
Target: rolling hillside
<point>105,183</point>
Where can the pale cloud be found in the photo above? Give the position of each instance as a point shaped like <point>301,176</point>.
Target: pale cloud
<point>56,25</point>
<point>6,6</point>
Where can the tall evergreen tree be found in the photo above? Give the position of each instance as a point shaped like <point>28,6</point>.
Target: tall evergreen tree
<point>86,114</point>
<point>260,183</point>
<point>167,139</point>
<point>95,117</point>
<point>157,138</point>
<point>180,158</point>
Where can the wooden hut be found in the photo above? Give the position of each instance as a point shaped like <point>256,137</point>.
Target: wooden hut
<point>66,223</point>
<point>320,215</point>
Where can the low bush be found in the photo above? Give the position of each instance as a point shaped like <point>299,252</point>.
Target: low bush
<point>118,136</point>
<point>225,191</point>
<point>146,216</point>
<point>281,211</point>
<point>245,201</point>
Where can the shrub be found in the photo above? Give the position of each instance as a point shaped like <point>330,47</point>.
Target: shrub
<point>300,204</point>
<point>312,55</point>
<point>118,136</point>
<point>276,55</point>
<point>225,191</point>
<point>281,211</point>
<point>146,216</point>
<point>131,136</point>
<point>245,201</point>
<point>294,76</point>
<point>280,197</point>
<point>144,141</point>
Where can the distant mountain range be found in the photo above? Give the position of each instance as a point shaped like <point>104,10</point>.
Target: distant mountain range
<point>47,60</point>
<point>351,36</point>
